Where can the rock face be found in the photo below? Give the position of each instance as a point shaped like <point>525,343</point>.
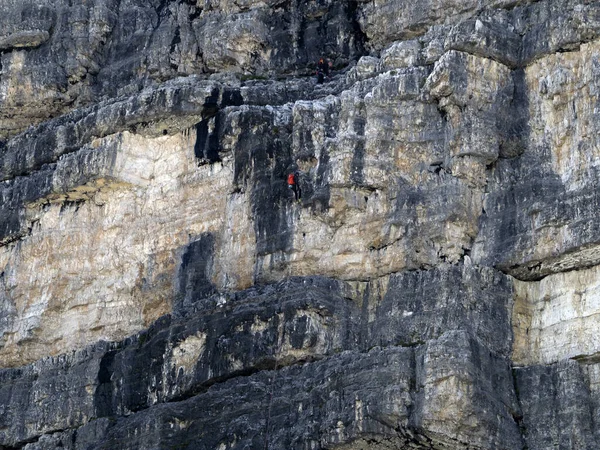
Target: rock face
<point>434,287</point>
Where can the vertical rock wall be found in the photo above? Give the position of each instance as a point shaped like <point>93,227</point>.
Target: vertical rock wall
<point>434,287</point>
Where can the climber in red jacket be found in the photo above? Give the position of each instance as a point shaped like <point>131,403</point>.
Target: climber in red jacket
<point>292,180</point>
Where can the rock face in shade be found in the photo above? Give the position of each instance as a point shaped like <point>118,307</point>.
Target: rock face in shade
<point>560,404</point>
<point>434,287</point>
<point>63,54</point>
<point>298,352</point>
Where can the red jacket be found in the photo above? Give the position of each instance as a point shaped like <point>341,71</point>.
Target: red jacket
<point>291,179</point>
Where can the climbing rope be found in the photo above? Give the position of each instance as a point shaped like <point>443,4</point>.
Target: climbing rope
<point>268,422</point>
<point>272,385</point>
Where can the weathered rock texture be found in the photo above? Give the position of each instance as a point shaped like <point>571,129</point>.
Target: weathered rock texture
<point>435,286</point>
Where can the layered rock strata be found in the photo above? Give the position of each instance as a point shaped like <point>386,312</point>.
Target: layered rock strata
<point>434,287</point>
<point>301,352</point>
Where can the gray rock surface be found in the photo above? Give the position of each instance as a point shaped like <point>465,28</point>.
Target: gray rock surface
<point>560,405</point>
<point>434,286</point>
<point>308,331</point>
<point>543,218</point>
<point>76,54</point>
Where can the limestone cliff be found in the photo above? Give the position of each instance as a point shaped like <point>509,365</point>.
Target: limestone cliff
<point>437,285</point>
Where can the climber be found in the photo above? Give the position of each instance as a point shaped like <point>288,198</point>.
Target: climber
<point>292,180</point>
<point>324,66</point>
<point>323,70</point>
<point>320,77</point>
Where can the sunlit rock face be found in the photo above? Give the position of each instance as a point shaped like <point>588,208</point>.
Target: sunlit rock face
<point>101,257</point>
<point>543,220</point>
<point>434,285</point>
<point>555,318</point>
